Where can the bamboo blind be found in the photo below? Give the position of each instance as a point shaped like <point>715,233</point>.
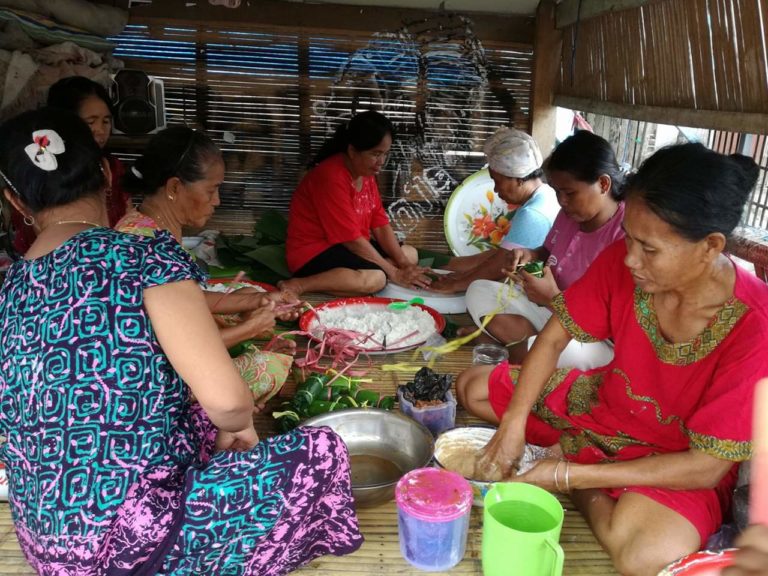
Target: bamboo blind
<point>270,95</point>
<point>666,58</point>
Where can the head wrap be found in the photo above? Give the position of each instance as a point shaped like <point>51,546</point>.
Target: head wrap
<point>512,153</point>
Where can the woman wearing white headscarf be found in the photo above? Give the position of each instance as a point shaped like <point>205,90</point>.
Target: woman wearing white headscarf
<point>514,163</point>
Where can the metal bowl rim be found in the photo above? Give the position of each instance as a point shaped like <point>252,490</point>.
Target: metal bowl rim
<point>427,434</point>
<point>440,464</point>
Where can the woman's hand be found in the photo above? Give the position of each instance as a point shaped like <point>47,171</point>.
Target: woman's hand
<point>288,307</point>
<point>258,406</point>
<point>751,558</point>
<point>539,290</point>
<point>240,441</point>
<point>542,474</point>
<point>283,346</point>
<point>259,322</point>
<point>517,257</point>
<point>411,277</point>
<point>503,452</point>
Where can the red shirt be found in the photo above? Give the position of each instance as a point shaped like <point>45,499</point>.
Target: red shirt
<point>326,209</point>
<point>117,200</point>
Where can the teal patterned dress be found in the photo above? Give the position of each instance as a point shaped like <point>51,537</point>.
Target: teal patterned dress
<point>111,468</point>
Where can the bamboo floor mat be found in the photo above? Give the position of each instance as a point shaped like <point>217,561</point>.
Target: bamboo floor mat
<point>380,554</point>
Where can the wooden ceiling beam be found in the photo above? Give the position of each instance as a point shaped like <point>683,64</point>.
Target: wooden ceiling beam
<point>489,28</point>
<point>568,10</point>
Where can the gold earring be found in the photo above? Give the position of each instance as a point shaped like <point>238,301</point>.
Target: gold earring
<point>29,220</point>
<point>171,197</point>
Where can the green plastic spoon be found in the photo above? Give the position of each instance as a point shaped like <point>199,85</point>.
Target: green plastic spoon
<point>404,305</point>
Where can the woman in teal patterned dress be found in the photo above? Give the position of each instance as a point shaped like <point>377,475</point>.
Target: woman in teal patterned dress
<point>112,470</point>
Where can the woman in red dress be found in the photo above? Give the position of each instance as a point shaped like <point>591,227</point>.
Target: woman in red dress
<point>91,102</point>
<point>650,443</point>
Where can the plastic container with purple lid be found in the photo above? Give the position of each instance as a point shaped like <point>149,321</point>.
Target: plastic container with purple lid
<point>436,418</point>
<point>433,509</point>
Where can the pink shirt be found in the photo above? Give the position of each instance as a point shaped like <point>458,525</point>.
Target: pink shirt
<point>571,251</point>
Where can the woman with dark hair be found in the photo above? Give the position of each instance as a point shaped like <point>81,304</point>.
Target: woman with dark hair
<point>652,439</point>
<point>91,102</point>
<point>179,175</point>
<point>588,181</point>
<point>339,237</point>
<point>514,164</point>
<point>111,469</point>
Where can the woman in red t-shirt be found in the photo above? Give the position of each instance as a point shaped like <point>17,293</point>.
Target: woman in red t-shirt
<point>339,237</point>
<point>91,102</point>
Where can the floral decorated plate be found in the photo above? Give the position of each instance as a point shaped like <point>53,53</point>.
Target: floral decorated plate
<point>476,219</point>
<point>703,563</point>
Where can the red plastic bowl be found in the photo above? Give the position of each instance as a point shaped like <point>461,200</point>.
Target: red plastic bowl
<point>703,563</point>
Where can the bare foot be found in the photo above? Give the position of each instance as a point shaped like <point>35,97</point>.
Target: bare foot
<point>448,284</point>
<point>292,285</point>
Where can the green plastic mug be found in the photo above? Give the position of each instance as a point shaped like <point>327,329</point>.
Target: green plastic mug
<point>521,531</point>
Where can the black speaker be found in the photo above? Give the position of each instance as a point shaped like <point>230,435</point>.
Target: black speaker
<point>138,103</point>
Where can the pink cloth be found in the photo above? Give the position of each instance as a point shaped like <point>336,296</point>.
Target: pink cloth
<point>571,251</point>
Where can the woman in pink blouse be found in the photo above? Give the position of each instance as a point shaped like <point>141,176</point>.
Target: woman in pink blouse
<point>586,176</point>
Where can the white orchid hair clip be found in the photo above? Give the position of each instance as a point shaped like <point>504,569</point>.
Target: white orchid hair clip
<point>46,144</point>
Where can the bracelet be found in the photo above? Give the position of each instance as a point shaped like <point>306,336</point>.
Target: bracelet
<point>557,468</point>
<point>567,480</point>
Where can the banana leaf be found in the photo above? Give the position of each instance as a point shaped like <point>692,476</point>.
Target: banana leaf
<point>272,227</point>
<point>273,257</point>
<point>439,259</point>
<point>262,262</point>
<point>223,272</point>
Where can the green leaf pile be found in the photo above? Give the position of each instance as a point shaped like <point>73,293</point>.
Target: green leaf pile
<point>261,255</point>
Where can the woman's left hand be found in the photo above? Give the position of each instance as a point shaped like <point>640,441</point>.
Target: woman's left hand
<point>543,475</point>
<point>412,277</point>
<point>539,290</point>
<point>288,307</point>
<point>260,322</point>
<point>240,441</point>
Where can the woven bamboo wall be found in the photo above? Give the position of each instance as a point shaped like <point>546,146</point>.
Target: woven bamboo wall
<point>673,55</point>
<point>270,92</point>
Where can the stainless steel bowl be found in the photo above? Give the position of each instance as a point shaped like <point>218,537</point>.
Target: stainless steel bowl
<point>474,438</point>
<point>383,445</point>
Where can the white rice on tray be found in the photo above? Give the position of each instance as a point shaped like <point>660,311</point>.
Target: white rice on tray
<point>378,321</point>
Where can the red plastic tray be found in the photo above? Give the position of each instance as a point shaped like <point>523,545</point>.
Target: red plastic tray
<point>702,563</point>
<point>306,319</point>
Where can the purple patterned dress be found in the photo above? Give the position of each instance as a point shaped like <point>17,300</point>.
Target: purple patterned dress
<point>111,469</point>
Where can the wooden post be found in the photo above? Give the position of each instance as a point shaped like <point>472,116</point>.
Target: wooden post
<point>547,53</point>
